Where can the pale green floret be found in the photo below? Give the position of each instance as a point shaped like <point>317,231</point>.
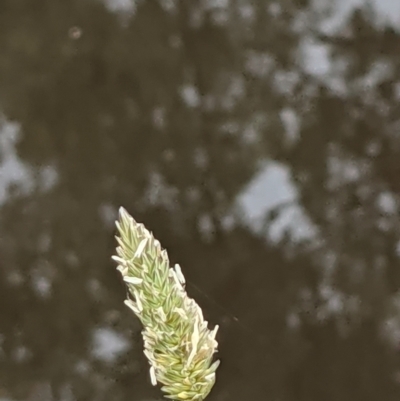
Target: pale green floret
<point>177,341</point>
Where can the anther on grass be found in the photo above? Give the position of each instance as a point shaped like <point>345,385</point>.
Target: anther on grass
<point>177,342</point>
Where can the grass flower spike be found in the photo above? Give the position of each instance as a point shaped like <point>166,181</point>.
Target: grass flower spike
<point>177,341</point>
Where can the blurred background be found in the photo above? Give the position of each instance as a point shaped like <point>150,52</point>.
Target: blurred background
<point>259,140</point>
